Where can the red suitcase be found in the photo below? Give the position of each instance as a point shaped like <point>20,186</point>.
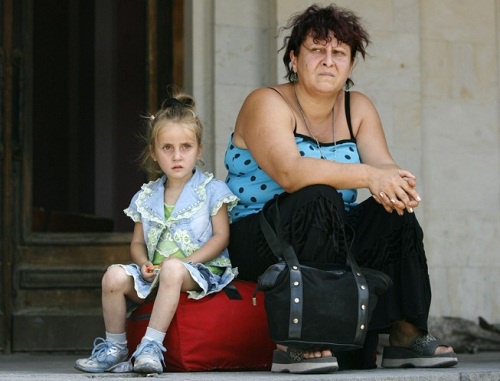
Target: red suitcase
<point>218,332</point>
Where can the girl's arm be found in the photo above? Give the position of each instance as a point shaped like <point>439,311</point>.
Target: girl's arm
<point>138,251</point>
<point>218,242</point>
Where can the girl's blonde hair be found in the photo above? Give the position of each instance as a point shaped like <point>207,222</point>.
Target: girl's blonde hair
<point>180,108</point>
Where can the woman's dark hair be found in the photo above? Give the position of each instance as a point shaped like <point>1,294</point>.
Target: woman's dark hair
<point>318,22</point>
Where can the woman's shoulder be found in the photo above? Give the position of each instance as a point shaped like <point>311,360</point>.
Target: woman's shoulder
<point>264,102</point>
<point>262,106</point>
<point>362,108</point>
<point>274,94</point>
<point>360,99</point>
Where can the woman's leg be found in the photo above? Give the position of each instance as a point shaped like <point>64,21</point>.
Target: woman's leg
<point>248,249</point>
<point>312,223</point>
<point>310,220</point>
<point>309,217</point>
<point>316,225</point>
<point>394,244</point>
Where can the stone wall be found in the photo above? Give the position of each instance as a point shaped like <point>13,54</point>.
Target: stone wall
<point>433,72</point>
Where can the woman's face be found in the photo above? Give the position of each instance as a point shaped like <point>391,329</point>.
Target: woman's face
<point>323,65</point>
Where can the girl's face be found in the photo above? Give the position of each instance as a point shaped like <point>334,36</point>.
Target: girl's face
<point>176,150</point>
<point>323,65</point>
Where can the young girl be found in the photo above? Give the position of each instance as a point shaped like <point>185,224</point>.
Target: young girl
<point>179,242</point>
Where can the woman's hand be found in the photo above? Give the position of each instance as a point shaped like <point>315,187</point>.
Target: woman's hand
<point>394,189</point>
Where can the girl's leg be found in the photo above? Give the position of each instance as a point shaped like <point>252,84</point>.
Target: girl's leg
<point>111,352</point>
<point>174,279</point>
<point>116,285</point>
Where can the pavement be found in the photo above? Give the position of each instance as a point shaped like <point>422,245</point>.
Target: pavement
<point>484,366</point>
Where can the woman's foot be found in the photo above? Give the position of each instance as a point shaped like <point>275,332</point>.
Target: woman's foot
<point>310,354</point>
<point>411,347</point>
<point>295,360</point>
<point>403,335</point>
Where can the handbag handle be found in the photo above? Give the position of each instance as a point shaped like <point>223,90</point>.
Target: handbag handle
<point>283,250</point>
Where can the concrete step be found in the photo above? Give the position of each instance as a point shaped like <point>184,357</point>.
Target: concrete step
<point>484,366</point>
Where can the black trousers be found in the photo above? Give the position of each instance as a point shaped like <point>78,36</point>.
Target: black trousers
<point>320,230</point>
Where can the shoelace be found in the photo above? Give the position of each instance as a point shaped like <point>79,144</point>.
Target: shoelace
<point>152,346</point>
<point>100,350</point>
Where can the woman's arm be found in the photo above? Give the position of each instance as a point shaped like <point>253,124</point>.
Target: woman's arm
<point>392,183</point>
<point>265,126</point>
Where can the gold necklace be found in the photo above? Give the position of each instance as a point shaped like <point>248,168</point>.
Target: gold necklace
<point>310,132</point>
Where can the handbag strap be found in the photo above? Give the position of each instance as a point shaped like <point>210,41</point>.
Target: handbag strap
<point>284,251</point>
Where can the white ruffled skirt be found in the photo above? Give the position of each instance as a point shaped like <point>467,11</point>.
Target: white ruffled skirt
<point>208,281</point>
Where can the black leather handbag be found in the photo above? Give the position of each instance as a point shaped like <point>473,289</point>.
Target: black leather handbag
<point>313,307</point>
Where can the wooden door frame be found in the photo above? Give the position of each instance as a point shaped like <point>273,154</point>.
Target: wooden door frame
<point>10,151</point>
<point>17,240</point>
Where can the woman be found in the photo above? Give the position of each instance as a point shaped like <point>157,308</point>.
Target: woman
<point>315,143</point>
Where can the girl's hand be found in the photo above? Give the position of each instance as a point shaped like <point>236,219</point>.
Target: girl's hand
<point>146,273</point>
<point>395,190</point>
<point>153,269</point>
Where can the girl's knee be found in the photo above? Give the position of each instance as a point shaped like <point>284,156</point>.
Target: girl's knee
<point>173,268</point>
<point>114,277</point>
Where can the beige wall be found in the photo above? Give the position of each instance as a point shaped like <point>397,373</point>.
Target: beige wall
<point>433,73</point>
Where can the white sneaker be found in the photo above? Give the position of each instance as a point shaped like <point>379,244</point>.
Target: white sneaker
<point>104,357</point>
<point>148,357</point>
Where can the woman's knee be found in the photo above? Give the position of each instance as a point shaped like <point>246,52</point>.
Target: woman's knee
<point>317,192</point>
<point>321,190</point>
<point>320,200</point>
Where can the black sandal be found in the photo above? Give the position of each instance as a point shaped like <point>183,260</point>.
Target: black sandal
<point>293,361</point>
<point>420,354</point>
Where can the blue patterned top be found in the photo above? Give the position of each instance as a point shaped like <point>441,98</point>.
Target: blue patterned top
<point>254,187</point>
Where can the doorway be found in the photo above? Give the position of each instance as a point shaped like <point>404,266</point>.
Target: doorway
<point>77,76</point>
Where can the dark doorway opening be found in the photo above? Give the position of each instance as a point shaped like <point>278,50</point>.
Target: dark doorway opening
<point>97,69</point>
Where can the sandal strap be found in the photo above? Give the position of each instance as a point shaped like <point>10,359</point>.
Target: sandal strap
<point>295,354</point>
<point>425,344</point>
